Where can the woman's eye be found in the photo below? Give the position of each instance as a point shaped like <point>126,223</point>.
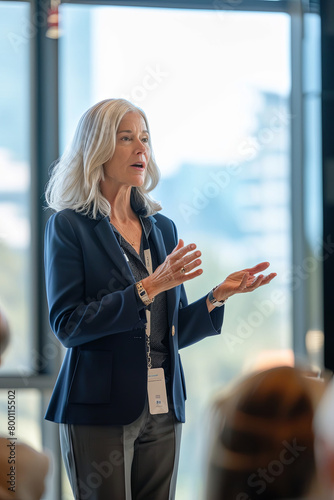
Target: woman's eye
<point>126,138</point>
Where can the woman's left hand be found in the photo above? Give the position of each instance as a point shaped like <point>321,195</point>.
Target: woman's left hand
<point>243,281</point>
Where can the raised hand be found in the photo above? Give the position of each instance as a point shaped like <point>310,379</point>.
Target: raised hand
<point>243,281</point>
<point>178,267</point>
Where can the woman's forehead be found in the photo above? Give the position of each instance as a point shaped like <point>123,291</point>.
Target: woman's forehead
<point>132,119</point>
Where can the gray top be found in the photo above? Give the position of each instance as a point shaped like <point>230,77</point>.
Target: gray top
<point>159,319</point>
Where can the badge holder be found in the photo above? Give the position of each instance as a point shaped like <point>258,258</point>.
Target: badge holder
<point>156,385</point>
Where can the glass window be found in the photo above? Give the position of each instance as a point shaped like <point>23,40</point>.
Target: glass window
<point>313,185</point>
<point>215,86</point>
<point>15,279</point>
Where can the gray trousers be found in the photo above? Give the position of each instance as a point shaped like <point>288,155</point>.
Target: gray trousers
<point>138,461</point>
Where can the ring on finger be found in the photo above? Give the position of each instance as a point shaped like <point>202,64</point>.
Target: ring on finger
<point>182,270</point>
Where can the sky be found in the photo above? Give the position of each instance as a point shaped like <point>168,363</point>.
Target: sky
<point>197,74</point>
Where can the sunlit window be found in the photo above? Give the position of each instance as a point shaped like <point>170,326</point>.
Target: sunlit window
<point>15,277</point>
<point>215,86</point>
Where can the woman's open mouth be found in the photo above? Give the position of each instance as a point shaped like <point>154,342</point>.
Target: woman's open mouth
<point>138,165</point>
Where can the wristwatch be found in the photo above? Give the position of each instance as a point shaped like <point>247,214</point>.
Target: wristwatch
<point>143,294</point>
<point>214,301</point>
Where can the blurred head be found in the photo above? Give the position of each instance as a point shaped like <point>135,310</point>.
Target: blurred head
<point>263,441</point>
<point>75,179</point>
<point>4,334</point>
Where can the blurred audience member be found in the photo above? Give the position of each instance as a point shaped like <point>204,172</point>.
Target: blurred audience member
<point>22,469</point>
<point>262,439</point>
<point>324,441</point>
<point>4,334</point>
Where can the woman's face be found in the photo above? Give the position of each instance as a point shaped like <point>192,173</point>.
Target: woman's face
<point>132,153</point>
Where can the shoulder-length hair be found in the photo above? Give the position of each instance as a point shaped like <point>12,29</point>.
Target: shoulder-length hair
<point>75,178</point>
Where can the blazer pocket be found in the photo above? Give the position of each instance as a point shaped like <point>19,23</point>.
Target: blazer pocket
<point>91,382</point>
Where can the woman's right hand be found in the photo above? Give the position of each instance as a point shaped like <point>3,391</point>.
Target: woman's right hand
<point>177,268</point>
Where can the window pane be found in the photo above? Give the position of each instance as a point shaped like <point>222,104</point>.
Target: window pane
<point>313,183</point>
<point>14,183</point>
<point>215,86</point>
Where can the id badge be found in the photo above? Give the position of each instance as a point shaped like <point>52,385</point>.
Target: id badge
<point>156,389</point>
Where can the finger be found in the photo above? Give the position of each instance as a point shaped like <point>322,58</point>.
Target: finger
<point>258,268</point>
<point>191,257</point>
<point>192,265</point>
<point>268,278</point>
<point>256,283</point>
<point>191,276</point>
<point>252,283</point>
<point>244,281</point>
<point>178,253</point>
<point>178,246</point>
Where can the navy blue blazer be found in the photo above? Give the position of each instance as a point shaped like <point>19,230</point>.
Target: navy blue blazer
<point>96,315</point>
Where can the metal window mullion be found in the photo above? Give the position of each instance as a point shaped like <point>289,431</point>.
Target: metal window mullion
<point>44,151</point>
<point>229,5</point>
<point>39,382</point>
<point>299,291</point>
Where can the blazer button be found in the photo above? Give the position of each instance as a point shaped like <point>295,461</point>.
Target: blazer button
<point>173,330</point>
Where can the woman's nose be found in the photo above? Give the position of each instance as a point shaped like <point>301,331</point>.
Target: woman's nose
<point>140,147</point>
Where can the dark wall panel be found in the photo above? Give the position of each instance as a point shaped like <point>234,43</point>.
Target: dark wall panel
<point>327,40</point>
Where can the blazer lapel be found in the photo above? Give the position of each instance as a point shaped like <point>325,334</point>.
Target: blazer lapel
<point>108,240</point>
<point>159,243</point>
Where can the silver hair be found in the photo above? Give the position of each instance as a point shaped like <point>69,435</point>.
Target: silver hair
<point>75,178</point>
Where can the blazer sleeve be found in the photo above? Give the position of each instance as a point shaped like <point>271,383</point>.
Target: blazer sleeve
<point>74,319</point>
<point>195,322</point>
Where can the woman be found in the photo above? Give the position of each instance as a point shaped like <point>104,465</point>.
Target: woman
<point>114,275</point>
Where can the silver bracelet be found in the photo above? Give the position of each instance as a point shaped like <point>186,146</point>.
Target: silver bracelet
<point>214,301</point>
